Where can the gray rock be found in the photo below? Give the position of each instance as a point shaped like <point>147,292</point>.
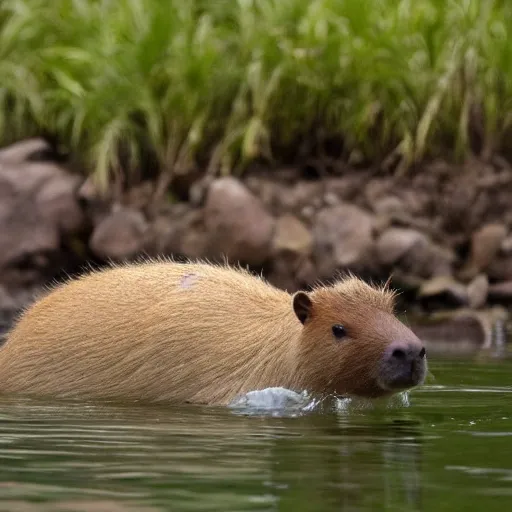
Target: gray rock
<point>485,245</point>
<point>237,224</point>
<point>388,205</point>
<point>192,237</point>
<point>291,235</point>
<point>291,272</point>
<point>343,238</point>
<point>500,269</point>
<point>301,195</point>
<point>38,205</point>
<point>506,246</point>
<point>121,235</point>
<point>24,151</point>
<point>394,243</point>
<point>428,260</point>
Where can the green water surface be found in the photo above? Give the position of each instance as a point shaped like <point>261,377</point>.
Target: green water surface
<point>449,449</point>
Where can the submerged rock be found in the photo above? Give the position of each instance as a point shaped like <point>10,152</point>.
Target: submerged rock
<point>462,331</point>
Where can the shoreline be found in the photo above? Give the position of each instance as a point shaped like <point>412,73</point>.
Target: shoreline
<point>442,234</point>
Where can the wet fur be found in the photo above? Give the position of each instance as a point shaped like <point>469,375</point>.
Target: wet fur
<point>136,332</point>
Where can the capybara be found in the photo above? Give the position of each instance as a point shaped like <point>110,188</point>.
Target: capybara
<point>160,330</point>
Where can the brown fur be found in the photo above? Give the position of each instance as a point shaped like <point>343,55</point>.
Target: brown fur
<point>194,332</point>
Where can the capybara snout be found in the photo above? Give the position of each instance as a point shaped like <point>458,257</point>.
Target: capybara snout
<point>404,365</point>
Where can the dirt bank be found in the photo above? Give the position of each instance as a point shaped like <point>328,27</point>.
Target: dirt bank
<point>443,232</point>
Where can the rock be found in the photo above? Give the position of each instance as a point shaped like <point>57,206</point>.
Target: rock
<point>307,213</point>
<point>291,272</point>
<point>428,261</point>
<point>7,302</point>
<point>457,200</point>
<point>394,243</point>
<point>273,195</point>
<point>417,202</point>
<point>25,151</point>
<point>192,237</point>
<point>455,334</point>
<point>25,237</point>
<point>377,189</point>
<point>300,196</point>
<point>345,188</point>
<point>237,224</point>
<point>161,235</point>
<point>501,291</point>
<point>179,232</point>
<point>477,291</point>
<point>306,273</point>
<point>198,191</point>
<point>58,202</point>
<point>121,235</point>
<point>485,245</point>
<point>500,269</point>
<point>88,191</point>
<point>140,196</point>
<point>342,238</point>
<point>331,199</point>
<point>291,235</point>
<point>388,205</point>
<point>12,301</point>
<point>506,246</point>
<point>407,282</point>
<point>442,292</point>
<point>38,205</point>
<point>463,330</point>
<point>380,224</point>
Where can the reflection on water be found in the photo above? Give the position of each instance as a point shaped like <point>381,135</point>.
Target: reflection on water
<point>449,449</point>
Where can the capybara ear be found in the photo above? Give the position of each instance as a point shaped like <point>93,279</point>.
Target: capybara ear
<point>302,306</point>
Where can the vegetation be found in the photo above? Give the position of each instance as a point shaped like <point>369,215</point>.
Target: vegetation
<point>227,81</point>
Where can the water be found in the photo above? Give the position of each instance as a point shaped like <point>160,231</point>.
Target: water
<point>448,448</point>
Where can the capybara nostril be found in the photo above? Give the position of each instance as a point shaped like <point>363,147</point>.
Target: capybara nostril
<point>398,353</point>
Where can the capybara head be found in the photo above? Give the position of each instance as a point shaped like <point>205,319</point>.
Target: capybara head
<point>353,344</point>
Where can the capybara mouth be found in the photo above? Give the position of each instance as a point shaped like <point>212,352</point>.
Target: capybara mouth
<point>406,379</point>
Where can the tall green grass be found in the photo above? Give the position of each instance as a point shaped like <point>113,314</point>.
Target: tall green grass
<point>227,81</point>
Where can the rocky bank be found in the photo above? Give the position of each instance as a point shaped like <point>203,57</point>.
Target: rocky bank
<point>443,232</point>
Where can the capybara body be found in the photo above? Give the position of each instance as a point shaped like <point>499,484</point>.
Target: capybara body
<point>201,333</point>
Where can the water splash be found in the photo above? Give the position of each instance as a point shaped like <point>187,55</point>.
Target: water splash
<point>282,402</point>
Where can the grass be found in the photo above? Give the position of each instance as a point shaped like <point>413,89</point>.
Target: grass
<point>226,81</point>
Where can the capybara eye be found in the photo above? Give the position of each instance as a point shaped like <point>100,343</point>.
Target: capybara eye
<point>339,331</point>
